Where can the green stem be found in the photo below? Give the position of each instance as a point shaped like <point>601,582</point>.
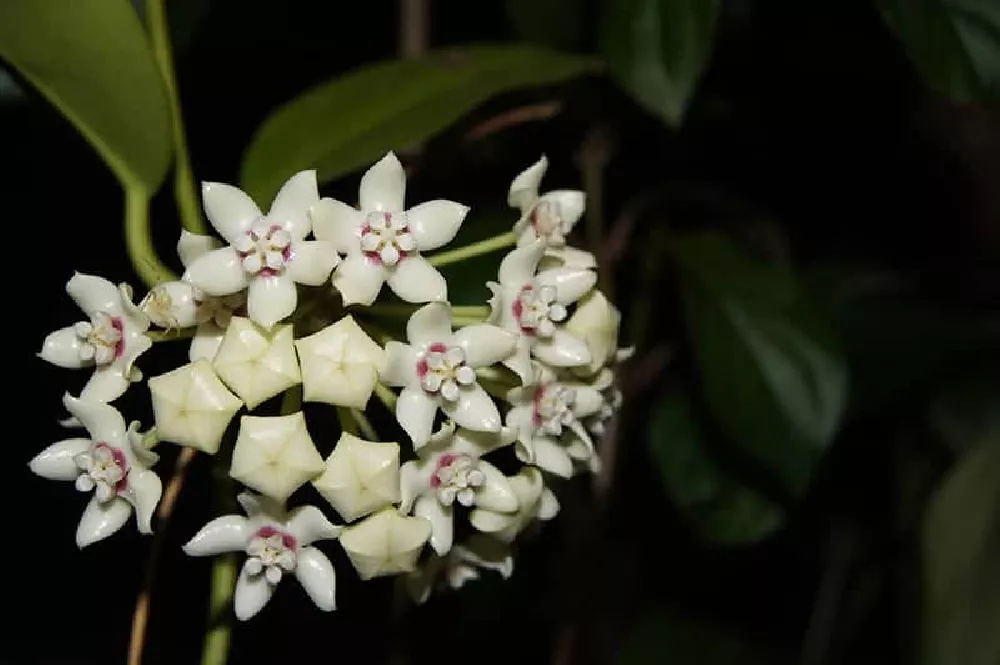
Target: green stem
<point>386,396</point>
<point>502,241</point>
<point>364,424</point>
<point>481,312</point>
<point>138,239</point>
<point>185,191</point>
<point>346,419</point>
<point>217,638</point>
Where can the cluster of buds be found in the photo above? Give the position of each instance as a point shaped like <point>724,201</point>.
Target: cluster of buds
<point>488,408</point>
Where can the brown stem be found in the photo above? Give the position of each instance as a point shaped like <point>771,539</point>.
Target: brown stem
<point>414,27</point>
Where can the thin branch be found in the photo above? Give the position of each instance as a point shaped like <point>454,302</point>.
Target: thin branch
<point>414,27</point>
<point>512,118</point>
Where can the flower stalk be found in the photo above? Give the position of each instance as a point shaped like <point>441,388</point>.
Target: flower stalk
<point>139,240</point>
<point>494,244</point>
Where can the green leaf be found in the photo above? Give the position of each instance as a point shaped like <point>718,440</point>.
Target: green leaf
<point>664,637</point>
<point>92,61</point>
<point>954,44</point>
<point>966,413</point>
<point>961,563</point>
<point>657,50</point>
<point>553,23</point>
<point>770,368</point>
<point>351,121</point>
<point>720,508</point>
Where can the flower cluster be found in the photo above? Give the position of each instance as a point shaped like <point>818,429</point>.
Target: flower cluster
<point>282,311</point>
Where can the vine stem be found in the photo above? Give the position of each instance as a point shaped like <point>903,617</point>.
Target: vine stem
<point>502,241</point>
<point>185,191</point>
<point>219,633</point>
<point>403,311</point>
<point>138,238</point>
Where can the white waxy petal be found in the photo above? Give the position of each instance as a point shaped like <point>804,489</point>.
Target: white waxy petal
<point>488,521</point>
<point>588,401</point>
<point>474,409</point>
<point>218,273</point>
<point>102,421</point>
<point>62,348</point>
<point>495,492</point>
<point>383,186</point>
<point>171,305</point>
<point>192,245</point>
<point>273,575</point>
<point>385,543</point>
<point>441,520</point>
<point>228,208</point>
<point>359,280</point>
<point>570,284</point>
<point>524,188</point>
<point>275,455</point>
<point>58,461</point>
<point>192,406</point>
<point>255,363</point>
<point>317,576</point>
<point>94,294</point>
<point>271,299</point>
<point>101,519</point>
<point>144,492</point>
<point>360,476</point>
<point>435,223</point>
<point>519,362</point>
<point>308,524</point>
<point>562,349</point>
<point>106,383</point>
<point>570,203</point>
<point>229,533</point>
<point>518,267</point>
<point>551,456</point>
<point>339,364</point>
<point>293,202</point>
<point>429,325</point>
<point>251,595</point>
<point>312,262</point>
<point>415,280</point>
<point>337,223</point>
<point>415,412</point>
<point>400,365</point>
<point>596,322</point>
<point>571,257</point>
<point>485,344</point>
<point>206,342</point>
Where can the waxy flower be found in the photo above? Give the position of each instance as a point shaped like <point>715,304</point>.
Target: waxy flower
<point>604,383</point>
<point>461,564</point>
<point>449,471</point>
<point>533,305</point>
<point>385,543</point>
<point>110,341</point>
<point>339,364</point>
<point>360,476</point>
<point>275,455</point>
<point>535,502</point>
<point>277,543</point>
<point>383,241</point>
<point>192,406</point>
<point>596,321</point>
<point>546,414</point>
<point>549,217</point>
<point>257,363</point>
<point>267,254</point>
<point>112,463</point>
<point>437,369</point>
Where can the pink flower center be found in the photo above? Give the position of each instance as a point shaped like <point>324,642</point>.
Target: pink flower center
<point>118,459</point>
<point>385,238</point>
<point>287,539</point>
<point>119,327</point>
<point>422,368</point>
<point>536,403</point>
<point>443,462</point>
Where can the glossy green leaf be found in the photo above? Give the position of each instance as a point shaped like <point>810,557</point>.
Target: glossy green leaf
<point>954,44</point>
<point>770,367</point>
<point>665,637</point>
<point>92,61</point>
<point>961,563</point>
<point>351,121</point>
<point>716,505</point>
<point>657,50</point>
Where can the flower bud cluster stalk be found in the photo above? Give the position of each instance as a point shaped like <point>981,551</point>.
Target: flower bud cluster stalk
<point>491,401</point>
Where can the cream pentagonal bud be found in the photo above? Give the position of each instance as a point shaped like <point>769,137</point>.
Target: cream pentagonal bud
<point>255,362</point>
<point>192,406</point>
<point>596,321</point>
<point>275,455</point>
<point>385,543</point>
<point>340,364</point>
<point>360,476</point>
<point>171,305</point>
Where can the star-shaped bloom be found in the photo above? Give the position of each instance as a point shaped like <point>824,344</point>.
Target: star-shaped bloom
<point>276,543</point>
<point>546,414</point>
<point>533,305</point>
<point>437,369</point>
<point>385,543</point>
<point>461,564</point>
<point>267,254</point>
<point>596,321</point>
<point>275,455</point>
<point>257,363</point>
<point>192,406</point>
<point>549,217</point>
<point>339,364</point>
<point>360,476</point>
<point>112,463</point>
<point>449,470</point>
<point>383,241</point>
<point>535,502</point>
<point>109,341</point>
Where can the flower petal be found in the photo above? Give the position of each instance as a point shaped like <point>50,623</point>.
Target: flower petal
<point>552,457</point>
<point>520,361</point>
<point>570,284</point>
<point>400,367</point>
<point>488,521</point>
<point>94,294</point>
<point>518,267</point>
<point>207,340</point>
<point>106,384</point>
<point>252,594</point>
<point>270,299</point>
<point>383,186</point>
<point>415,280</point>
<point>218,273</point>
<point>495,493</point>
<point>441,519</point>
<point>563,349</point>
<point>338,224</point>
<point>313,262</point>
<point>308,524</point>
<point>415,412</point>
<point>485,344</point>
<point>524,188</point>
<point>359,280</point>
<point>317,576</point>
<point>56,462</point>
<point>474,409</point>
<point>100,520</point>
<point>429,325</point>
<point>192,245</point>
<point>228,208</point>
<point>229,533</point>
<point>292,203</point>
<point>62,349</point>
<point>102,422</point>
<point>414,480</point>
<point>571,204</point>
<point>435,223</point>
<point>144,492</point>
<point>572,257</point>
<point>588,401</point>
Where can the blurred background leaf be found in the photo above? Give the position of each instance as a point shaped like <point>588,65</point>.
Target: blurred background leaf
<point>554,23</point>
<point>666,637</point>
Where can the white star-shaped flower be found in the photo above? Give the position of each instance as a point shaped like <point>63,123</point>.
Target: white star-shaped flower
<point>385,543</point>
<point>112,463</point>
<point>192,406</point>
<point>339,364</point>
<point>535,502</point>
<point>437,369</point>
<point>277,543</point>
<point>275,455</point>
<point>596,321</point>
<point>383,241</point>
<point>460,565</point>
<point>257,363</point>
<point>360,476</point>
